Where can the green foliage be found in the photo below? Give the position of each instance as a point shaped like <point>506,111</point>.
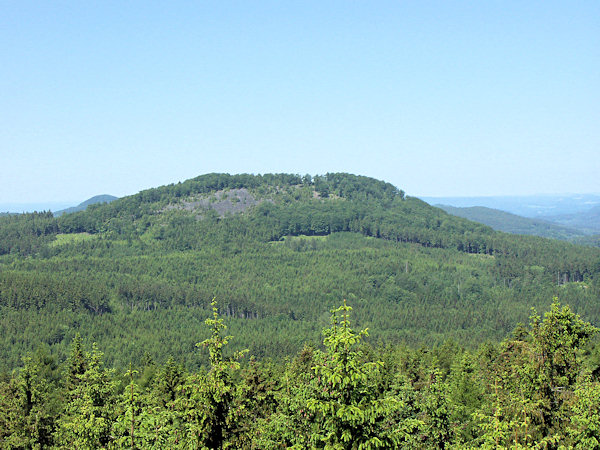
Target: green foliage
<point>87,418</point>
<point>212,403</point>
<point>533,379</point>
<point>584,429</point>
<point>531,391</point>
<point>27,409</point>
<point>346,405</point>
<point>280,250</point>
<point>26,234</point>
<point>466,395</point>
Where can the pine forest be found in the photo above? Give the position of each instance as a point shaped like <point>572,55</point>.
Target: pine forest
<point>287,311</point>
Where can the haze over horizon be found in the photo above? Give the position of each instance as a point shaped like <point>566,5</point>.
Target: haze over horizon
<point>438,98</point>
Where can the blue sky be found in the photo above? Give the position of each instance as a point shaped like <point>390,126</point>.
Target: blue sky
<point>441,98</point>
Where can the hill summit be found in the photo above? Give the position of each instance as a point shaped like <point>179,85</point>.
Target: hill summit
<point>83,205</point>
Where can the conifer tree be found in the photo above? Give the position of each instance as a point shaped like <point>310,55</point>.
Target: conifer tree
<point>212,405</point>
<point>128,415</point>
<point>87,419</point>
<point>533,381</point>
<point>76,364</point>
<point>348,407</point>
<point>27,408</point>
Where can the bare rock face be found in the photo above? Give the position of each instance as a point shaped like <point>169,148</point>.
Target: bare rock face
<point>231,201</point>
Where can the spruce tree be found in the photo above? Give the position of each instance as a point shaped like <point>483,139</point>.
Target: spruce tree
<point>348,407</point>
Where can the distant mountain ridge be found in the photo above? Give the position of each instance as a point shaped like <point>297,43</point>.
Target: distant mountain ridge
<point>533,206</point>
<point>104,198</point>
<point>585,220</point>
<point>512,223</point>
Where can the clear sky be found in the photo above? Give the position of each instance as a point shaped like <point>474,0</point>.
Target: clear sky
<point>443,98</point>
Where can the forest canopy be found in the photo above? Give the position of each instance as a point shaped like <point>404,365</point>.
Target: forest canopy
<point>538,388</point>
<point>277,251</point>
<point>102,341</point>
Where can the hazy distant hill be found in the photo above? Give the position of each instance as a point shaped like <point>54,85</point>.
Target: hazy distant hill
<point>534,206</point>
<point>512,223</point>
<point>82,206</point>
<point>586,220</point>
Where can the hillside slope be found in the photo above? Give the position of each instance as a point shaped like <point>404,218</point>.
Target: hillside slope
<point>137,275</point>
<point>512,223</point>
<point>586,220</point>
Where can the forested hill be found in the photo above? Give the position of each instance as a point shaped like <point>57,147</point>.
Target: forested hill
<point>83,205</point>
<point>274,206</point>
<point>585,220</point>
<point>245,208</point>
<point>277,251</point>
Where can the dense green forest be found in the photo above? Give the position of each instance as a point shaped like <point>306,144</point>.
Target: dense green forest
<point>277,251</point>
<point>439,294</point>
<point>539,388</point>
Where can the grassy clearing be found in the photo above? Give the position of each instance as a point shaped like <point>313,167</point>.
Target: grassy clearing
<point>72,238</point>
